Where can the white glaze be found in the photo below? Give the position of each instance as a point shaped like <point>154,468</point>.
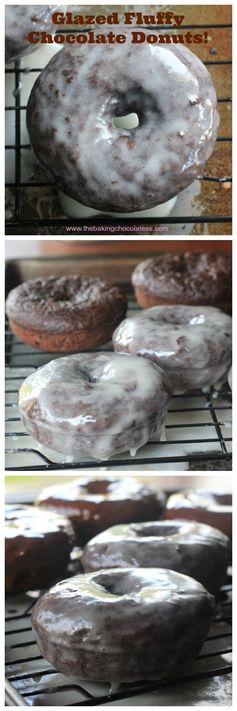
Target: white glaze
<point>117,169</point>
<point>94,404</point>
<point>20,20</point>
<point>193,344</point>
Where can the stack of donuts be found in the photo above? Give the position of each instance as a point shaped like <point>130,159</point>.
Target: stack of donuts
<point>157,576</point>
<point>100,403</point>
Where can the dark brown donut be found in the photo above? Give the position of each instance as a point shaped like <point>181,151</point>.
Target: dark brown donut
<point>123,625</point>
<point>190,548</point>
<point>92,505</point>
<point>211,507</point>
<point>192,278</point>
<point>38,545</point>
<point>65,314</point>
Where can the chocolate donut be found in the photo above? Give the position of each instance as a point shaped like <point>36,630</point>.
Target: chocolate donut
<point>19,21</point>
<point>65,314</point>
<point>191,343</point>
<point>74,102</point>
<point>95,404</point>
<point>38,545</point>
<point>211,507</point>
<point>123,625</point>
<point>95,504</point>
<point>190,548</point>
<point>192,278</point>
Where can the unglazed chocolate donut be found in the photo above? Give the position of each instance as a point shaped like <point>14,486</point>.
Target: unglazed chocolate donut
<point>211,507</point>
<point>95,404</point>
<point>85,86</point>
<point>65,314</point>
<point>95,504</point>
<point>38,545</point>
<point>123,625</point>
<point>192,344</point>
<point>20,20</point>
<point>184,278</point>
<point>190,548</point>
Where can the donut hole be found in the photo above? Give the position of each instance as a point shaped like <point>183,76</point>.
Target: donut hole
<point>128,120</point>
<point>118,583</point>
<point>157,531</point>
<point>223,499</point>
<point>98,487</point>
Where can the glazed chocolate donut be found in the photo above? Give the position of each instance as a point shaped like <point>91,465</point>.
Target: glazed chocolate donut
<point>192,278</point>
<point>95,404</point>
<point>65,314</point>
<point>123,625</point>
<point>38,545</point>
<point>191,343</point>
<point>190,548</point>
<point>19,21</point>
<point>71,114</point>
<point>95,504</point>
<point>211,507</point>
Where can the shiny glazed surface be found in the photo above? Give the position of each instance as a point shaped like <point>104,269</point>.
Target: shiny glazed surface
<point>211,507</point>
<point>190,548</point>
<point>95,404</point>
<point>163,621</point>
<point>22,19</point>
<point>84,87</point>
<point>191,343</point>
<point>93,505</point>
<point>38,545</point>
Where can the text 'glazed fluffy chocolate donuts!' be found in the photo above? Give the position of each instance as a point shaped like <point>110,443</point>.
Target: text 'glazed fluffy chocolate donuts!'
<point>71,122</point>
<point>123,625</point>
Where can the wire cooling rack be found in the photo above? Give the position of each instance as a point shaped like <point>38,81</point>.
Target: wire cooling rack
<point>198,425</point>
<point>17,187</point>
<point>32,681</point>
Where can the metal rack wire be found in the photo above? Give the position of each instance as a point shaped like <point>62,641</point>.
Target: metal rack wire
<point>32,681</point>
<point>18,185</point>
<point>197,427</point>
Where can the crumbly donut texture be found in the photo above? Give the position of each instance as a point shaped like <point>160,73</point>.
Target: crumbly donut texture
<point>123,625</point>
<point>190,548</point>
<point>192,344</point>
<point>211,507</point>
<point>65,314</point>
<point>95,404</point>
<point>84,87</point>
<point>38,545</point>
<point>94,505</point>
<point>184,278</point>
<point>19,21</point>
